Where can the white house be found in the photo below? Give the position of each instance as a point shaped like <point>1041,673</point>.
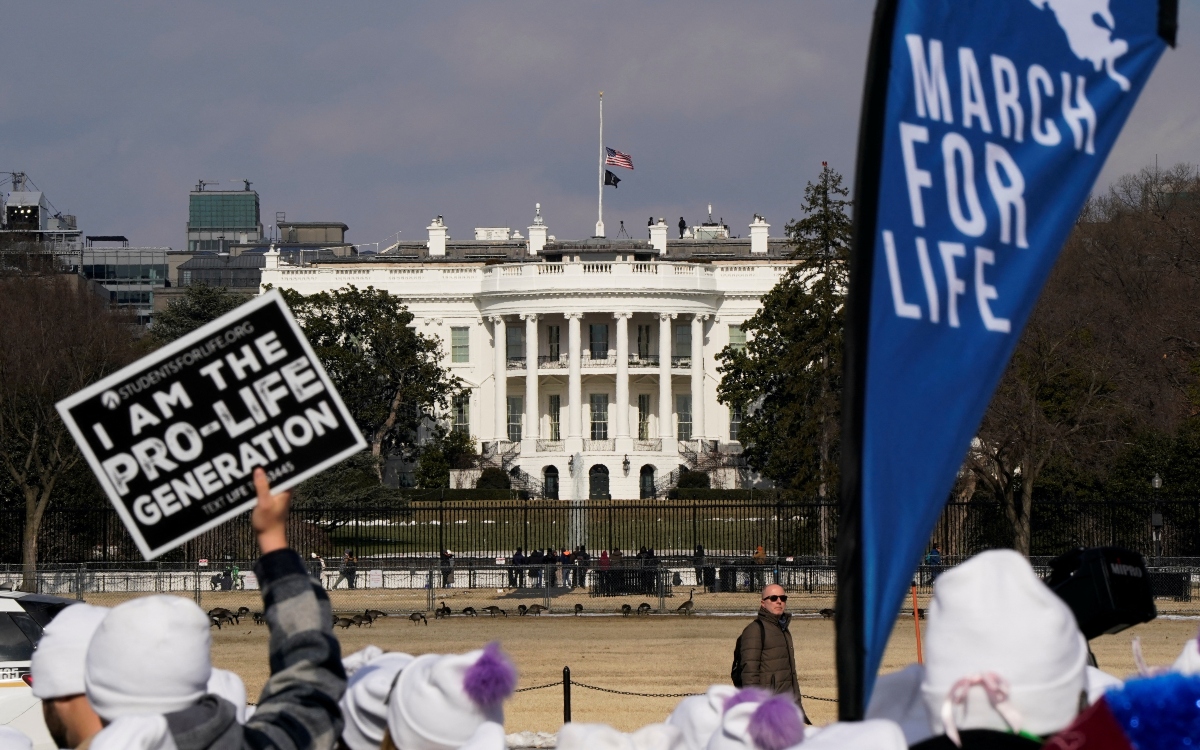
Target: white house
<point>591,364</point>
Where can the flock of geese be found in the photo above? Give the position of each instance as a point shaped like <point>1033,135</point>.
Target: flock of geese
<point>443,610</point>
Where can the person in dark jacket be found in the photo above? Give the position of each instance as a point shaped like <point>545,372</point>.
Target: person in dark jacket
<point>765,647</point>
<point>298,707</point>
<point>682,227</point>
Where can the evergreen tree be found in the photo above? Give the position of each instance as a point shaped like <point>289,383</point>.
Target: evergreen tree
<point>200,304</point>
<point>788,378</point>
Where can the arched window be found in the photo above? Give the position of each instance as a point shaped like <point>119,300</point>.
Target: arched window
<point>550,482</point>
<point>646,483</point>
<point>598,483</point>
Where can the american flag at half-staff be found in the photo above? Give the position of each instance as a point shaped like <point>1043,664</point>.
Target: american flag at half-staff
<point>618,159</point>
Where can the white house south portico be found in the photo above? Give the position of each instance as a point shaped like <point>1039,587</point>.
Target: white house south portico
<point>590,366</point>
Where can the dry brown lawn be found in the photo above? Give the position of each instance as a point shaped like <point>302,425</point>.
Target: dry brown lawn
<point>657,653</point>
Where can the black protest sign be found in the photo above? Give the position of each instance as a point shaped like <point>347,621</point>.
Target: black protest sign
<point>175,437</point>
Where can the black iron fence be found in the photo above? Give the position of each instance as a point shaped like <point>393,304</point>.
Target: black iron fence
<point>785,525</point>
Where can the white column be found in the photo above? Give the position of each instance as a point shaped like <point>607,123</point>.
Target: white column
<point>666,427</point>
<point>623,444</point>
<point>698,376</point>
<point>532,412</point>
<point>574,386</point>
<point>501,375</point>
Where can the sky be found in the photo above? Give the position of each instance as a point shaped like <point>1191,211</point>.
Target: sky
<point>383,115</point>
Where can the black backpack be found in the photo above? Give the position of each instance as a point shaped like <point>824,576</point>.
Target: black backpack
<point>735,672</point>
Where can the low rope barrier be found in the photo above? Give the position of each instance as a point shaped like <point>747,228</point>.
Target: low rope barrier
<point>644,695</point>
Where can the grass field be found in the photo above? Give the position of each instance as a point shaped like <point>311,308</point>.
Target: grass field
<point>658,653</point>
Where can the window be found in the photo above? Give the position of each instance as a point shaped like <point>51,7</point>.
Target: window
<point>646,483</point>
<point>599,416</point>
<point>461,416</point>
<point>683,416</point>
<point>555,423</point>
<point>643,342</point>
<point>550,483</point>
<point>683,341</point>
<point>643,416</point>
<point>460,344</point>
<point>554,342</point>
<point>735,422</point>
<point>737,338</point>
<point>515,410</point>
<point>515,340</point>
<point>598,340</point>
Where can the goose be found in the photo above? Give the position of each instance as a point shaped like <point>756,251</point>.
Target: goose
<point>687,607</point>
<point>418,617</point>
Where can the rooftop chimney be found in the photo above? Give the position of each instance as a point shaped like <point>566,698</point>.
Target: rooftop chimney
<point>537,231</point>
<point>759,231</point>
<point>437,237</point>
<point>658,236</point>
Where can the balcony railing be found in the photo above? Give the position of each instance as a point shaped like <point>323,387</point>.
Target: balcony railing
<point>648,445</point>
<point>550,446</point>
<point>516,363</point>
<point>678,361</point>
<point>640,361</point>
<point>600,445</point>
<point>552,363</point>
<point>598,362</point>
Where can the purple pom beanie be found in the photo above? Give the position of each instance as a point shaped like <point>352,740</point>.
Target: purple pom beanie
<point>769,723</point>
<point>440,701</point>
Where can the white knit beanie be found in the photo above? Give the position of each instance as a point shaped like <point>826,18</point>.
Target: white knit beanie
<point>1099,683</point>
<point>149,656</point>
<point>1188,662</point>
<point>440,701</point>
<point>576,736</point>
<point>136,732</point>
<point>897,698</point>
<point>698,716</point>
<point>995,629</point>
<point>57,665</point>
<point>228,685</point>
<point>359,659</point>
<point>489,736</point>
<point>872,734</point>
<point>11,739</point>
<point>364,704</point>
<point>756,720</point>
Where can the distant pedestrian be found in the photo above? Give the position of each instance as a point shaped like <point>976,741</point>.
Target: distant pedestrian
<point>649,223</point>
<point>536,558</point>
<point>682,227</point>
<point>933,562</point>
<point>583,561</point>
<point>551,559</point>
<point>698,563</point>
<point>759,558</point>
<point>316,566</point>
<point>446,560</point>
<point>348,570</point>
<point>764,656</point>
<point>516,574</point>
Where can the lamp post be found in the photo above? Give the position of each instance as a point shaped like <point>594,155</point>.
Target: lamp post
<point>1156,521</point>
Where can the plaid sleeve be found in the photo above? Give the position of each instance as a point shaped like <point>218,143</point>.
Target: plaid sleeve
<point>298,708</point>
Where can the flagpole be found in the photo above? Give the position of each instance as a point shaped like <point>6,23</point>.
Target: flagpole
<point>849,623</point>
<point>600,209</point>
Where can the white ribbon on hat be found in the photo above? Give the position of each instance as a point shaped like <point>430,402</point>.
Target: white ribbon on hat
<point>996,688</point>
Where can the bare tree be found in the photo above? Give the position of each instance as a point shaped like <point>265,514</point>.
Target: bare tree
<point>57,338</point>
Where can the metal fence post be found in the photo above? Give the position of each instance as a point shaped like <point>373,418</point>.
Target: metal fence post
<point>197,586</point>
<point>660,574</point>
<point>546,573</point>
<point>79,582</point>
<point>566,695</point>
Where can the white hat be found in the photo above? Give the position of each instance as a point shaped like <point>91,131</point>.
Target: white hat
<point>574,736</point>
<point>897,698</point>
<point>364,704</point>
<point>872,734</point>
<point>489,736</point>
<point>1003,649</point>
<point>1188,662</point>
<point>11,739</point>
<point>773,724</point>
<point>439,701</point>
<point>149,656</point>
<point>135,732</point>
<point>57,665</point>
<point>1099,683</point>
<point>228,685</point>
<point>360,658</point>
<point>699,716</point>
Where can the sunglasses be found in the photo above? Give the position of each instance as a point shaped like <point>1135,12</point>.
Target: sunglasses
<point>775,598</point>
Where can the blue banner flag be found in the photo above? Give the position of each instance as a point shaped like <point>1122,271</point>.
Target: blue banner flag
<point>985,124</point>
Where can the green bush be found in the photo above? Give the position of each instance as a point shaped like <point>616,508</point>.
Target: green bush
<point>463,494</point>
<point>692,480</point>
<point>492,478</point>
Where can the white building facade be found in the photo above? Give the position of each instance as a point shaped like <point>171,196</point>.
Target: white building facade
<point>590,366</point>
